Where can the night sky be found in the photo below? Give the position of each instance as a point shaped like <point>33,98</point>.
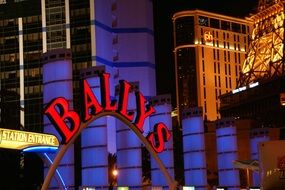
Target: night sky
<point>163,12</point>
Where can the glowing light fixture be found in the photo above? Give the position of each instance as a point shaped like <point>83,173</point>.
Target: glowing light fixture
<point>123,188</point>
<point>188,188</point>
<point>115,172</point>
<point>45,149</point>
<point>239,89</point>
<point>253,85</point>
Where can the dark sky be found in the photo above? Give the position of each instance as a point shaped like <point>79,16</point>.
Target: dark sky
<point>163,12</point>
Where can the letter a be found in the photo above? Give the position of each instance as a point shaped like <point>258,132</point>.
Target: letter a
<point>90,102</point>
<point>58,113</point>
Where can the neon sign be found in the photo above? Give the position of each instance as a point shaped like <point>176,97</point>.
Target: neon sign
<point>19,140</point>
<point>208,37</point>
<point>59,113</point>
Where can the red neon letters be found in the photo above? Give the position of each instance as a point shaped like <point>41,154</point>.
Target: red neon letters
<point>58,113</point>
<point>161,134</point>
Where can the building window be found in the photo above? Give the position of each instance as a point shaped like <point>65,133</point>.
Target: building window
<point>243,29</point>
<point>226,69</point>
<point>214,53</point>
<point>202,52</point>
<point>236,27</point>
<point>214,23</point>
<point>203,21</point>
<point>203,65</point>
<point>218,54</point>
<point>214,67</point>
<point>218,68</point>
<point>225,25</point>
<point>229,57</point>
<point>229,69</point>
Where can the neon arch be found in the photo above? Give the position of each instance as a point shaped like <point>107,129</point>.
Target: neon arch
<point>57,111</point>
<point>171,183</point>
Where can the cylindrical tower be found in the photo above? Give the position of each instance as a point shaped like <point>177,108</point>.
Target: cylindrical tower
<point>227,153</point>
<point>257,135</point>
<point>57,82</point>
<point>194,148</point>
<point>162,106</point>
<point>129,154</point>
<point>94,150</point>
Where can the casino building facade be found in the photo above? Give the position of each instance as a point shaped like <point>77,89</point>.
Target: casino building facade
<point>102,33</point>
<point>209,50</point>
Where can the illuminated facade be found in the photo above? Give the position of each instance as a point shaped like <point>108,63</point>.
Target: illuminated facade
<point>97,35</point>
<point>265,58</point>
<point>116,34</point>
<point>209,50</point>
<point>260,92</point>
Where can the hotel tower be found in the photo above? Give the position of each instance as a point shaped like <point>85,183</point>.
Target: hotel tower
<point>209,50</point>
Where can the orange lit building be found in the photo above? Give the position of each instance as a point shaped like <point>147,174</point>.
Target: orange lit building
<point>209,50</point>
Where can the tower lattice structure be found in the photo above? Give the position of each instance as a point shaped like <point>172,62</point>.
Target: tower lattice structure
<point>265,59</point>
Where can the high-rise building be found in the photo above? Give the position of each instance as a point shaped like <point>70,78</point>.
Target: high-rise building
<point>116,34</point>
<point>209,50</point>
<point>98,33</point>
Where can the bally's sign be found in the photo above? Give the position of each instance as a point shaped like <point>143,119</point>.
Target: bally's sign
<point>58,112</point>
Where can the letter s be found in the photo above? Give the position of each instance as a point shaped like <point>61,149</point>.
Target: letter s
<point>157,138</point>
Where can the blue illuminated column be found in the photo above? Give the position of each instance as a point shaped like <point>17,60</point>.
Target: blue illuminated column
<point>257,136</point>
<point>94,150</point>
<point>129,155</point>
<point>227,153</point>
<point>57,82</point>
<point>162,105</point>
<point>194,148</point>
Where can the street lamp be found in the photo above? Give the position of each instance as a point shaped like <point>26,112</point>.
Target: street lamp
<point>115,172</point>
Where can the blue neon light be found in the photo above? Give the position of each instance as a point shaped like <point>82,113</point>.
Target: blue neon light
<point>124,64</point>
<point>122,30</point>
<point>57,172</point>
<point>49,149</point>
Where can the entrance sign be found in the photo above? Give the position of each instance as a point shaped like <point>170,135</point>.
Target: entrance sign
<point>69,124</point>
<point>58,112</point>
<point>19,140</point>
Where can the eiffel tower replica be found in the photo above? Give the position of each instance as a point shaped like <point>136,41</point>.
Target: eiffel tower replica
<point>265,59</point>
<point>260,92</point>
